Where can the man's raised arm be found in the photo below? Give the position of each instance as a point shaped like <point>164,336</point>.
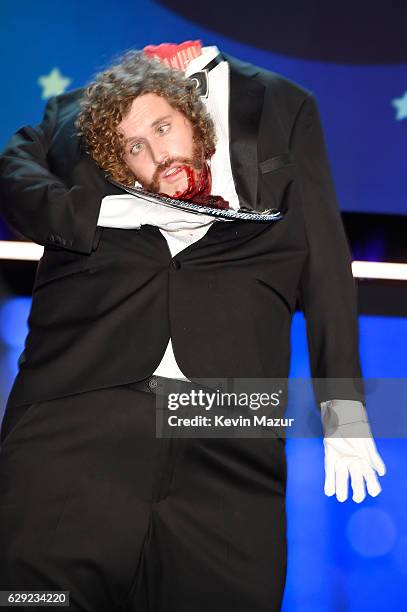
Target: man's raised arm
<point>39,203</point>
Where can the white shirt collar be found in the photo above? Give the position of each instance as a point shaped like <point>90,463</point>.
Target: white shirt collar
<point>208,54</point>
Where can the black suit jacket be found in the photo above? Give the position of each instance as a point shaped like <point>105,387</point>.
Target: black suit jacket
<point>105,301</point>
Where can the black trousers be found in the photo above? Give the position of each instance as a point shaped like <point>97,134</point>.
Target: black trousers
<point>93,503</point>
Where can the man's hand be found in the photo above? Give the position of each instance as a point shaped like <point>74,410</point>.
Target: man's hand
<point>349,450</point>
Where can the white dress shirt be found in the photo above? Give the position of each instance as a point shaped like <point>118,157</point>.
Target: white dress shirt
<point>181,228</point>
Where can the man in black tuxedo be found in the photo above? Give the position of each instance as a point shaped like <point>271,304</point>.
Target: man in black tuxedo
<point>118,517</point>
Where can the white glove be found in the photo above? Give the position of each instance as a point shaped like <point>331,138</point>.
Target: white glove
<point>349,449</point>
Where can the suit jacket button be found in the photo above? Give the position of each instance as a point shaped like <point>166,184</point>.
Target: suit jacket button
<point>176,264</point>
<point>152,383</point>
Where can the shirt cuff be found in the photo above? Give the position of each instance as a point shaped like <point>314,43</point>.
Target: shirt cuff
<point>350,415</point>
<point>120,212</point>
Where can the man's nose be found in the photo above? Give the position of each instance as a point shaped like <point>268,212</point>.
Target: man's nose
<point>159,154</point>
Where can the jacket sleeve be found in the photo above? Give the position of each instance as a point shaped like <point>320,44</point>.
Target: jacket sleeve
<point>35,202</point>
<point>327,291</point>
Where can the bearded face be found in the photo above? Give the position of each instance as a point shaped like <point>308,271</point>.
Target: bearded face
<point>161,148</point>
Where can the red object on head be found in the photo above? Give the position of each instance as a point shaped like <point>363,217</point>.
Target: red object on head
<point>175,56</point>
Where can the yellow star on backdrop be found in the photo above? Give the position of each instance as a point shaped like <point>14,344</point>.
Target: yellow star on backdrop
<point>53,84</point>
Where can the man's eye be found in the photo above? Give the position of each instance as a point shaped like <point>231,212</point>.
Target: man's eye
<point>136,148</point>
<point>163,128</point>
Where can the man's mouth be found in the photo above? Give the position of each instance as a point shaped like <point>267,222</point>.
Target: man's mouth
<point>172,172</point>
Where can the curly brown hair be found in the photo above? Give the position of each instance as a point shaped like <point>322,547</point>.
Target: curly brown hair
<point>108,99</point>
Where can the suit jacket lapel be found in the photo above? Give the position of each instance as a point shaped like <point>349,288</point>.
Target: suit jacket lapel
<point>245,109</point>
